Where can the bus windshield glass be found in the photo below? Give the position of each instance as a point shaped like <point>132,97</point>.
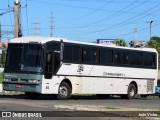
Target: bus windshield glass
<point>24,57</point>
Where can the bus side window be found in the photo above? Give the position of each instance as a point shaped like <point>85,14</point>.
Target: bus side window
<point>146,58</point>
<point>103,56</point>
<point>76,53</point>
<point>68,53</point>
<point>125,58</point>
<point>95,55</point>
<point>118,57</point>
<point>110,56</point>
<point>152,61</point>
<point>132,58</point>
<point>139,57</point>
<point>87,54</point>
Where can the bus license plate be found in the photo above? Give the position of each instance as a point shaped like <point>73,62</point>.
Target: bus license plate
<point>18,86</point>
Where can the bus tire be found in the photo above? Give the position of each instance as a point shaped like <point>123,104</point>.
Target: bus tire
<point>64,91</point>
<point>32,95</point>
<point>131,93</point>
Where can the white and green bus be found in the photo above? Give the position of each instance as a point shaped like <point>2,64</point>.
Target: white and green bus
<point>46,65</point>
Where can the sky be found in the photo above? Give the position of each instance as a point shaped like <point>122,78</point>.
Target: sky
<point>84,20</point>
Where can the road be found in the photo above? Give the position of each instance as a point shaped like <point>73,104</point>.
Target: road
<point>49,103</point>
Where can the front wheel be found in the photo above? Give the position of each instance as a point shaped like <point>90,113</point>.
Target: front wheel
<point>64,91</point>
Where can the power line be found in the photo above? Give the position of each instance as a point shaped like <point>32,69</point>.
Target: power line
<point>89,8</point>
<point>112,15</point>
<point>36,28</point>
<point>6,12</point>
<point>90,13</point>
<point>118,24</point>
<point>140,30</point>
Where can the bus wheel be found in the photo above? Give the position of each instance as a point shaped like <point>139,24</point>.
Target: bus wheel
<point>32,95</point>
<point>64,91</point>
<point>131,92</point>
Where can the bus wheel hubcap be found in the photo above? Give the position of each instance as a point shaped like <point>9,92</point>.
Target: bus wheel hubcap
<point>131,93</point>
<point>63,91</point>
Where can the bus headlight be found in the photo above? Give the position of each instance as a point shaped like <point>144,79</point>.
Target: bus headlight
<point>6,79</point>
<point>35,81</point>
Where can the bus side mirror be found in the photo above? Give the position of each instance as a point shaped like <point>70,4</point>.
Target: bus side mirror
<point>49,66</point>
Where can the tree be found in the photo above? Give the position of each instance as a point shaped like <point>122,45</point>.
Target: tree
<point>120,42</point>
<point>3,58</point>
<point>4,45</point>
<point>154,43</point>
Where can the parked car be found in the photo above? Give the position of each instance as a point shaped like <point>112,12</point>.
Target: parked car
<point>157,89</point>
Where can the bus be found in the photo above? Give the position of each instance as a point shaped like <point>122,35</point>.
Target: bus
<point>58,66</point>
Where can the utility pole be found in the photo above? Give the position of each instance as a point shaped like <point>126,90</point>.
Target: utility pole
<point>150,25</point>
<point>51,25</point>
<point>135,33</point>
<point>36,28</point>
<point>17,25</point>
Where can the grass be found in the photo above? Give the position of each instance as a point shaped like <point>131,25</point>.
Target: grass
<point>11,93</point>
<point>1,77</point>
<point>111,108</point>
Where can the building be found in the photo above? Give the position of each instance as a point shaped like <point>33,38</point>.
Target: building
<point>138,43</point>
<point>105,41</point>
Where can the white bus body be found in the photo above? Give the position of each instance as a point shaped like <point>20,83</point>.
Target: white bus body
<point>73,72</point>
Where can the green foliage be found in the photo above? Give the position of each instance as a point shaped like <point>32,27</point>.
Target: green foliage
<point>1,77</point>
<point>155,43</point>
<point>3,58</point>
<point>4,45</point>
<point>120,42</point>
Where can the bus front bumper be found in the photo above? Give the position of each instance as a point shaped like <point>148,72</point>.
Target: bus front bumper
<point>23,87</point>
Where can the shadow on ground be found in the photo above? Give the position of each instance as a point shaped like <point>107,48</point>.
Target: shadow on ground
<point>74,97</point>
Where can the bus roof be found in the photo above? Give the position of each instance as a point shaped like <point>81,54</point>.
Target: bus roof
<point>43,40</point>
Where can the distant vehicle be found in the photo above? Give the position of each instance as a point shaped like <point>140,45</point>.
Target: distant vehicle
<point>42,65</point>
<point>157,89</point>
<point>158,82</point>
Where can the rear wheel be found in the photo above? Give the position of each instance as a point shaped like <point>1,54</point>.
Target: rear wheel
<point>131,93</point>
<point>64,91</point>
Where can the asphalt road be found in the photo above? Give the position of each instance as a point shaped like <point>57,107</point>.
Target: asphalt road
<point>49,103</point>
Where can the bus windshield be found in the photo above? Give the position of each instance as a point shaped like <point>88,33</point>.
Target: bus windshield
<point>24,57</point>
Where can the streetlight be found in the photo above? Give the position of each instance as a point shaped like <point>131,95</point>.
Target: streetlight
<point>150,23</point>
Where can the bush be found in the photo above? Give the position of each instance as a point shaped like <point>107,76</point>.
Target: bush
<point>1,77</point>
